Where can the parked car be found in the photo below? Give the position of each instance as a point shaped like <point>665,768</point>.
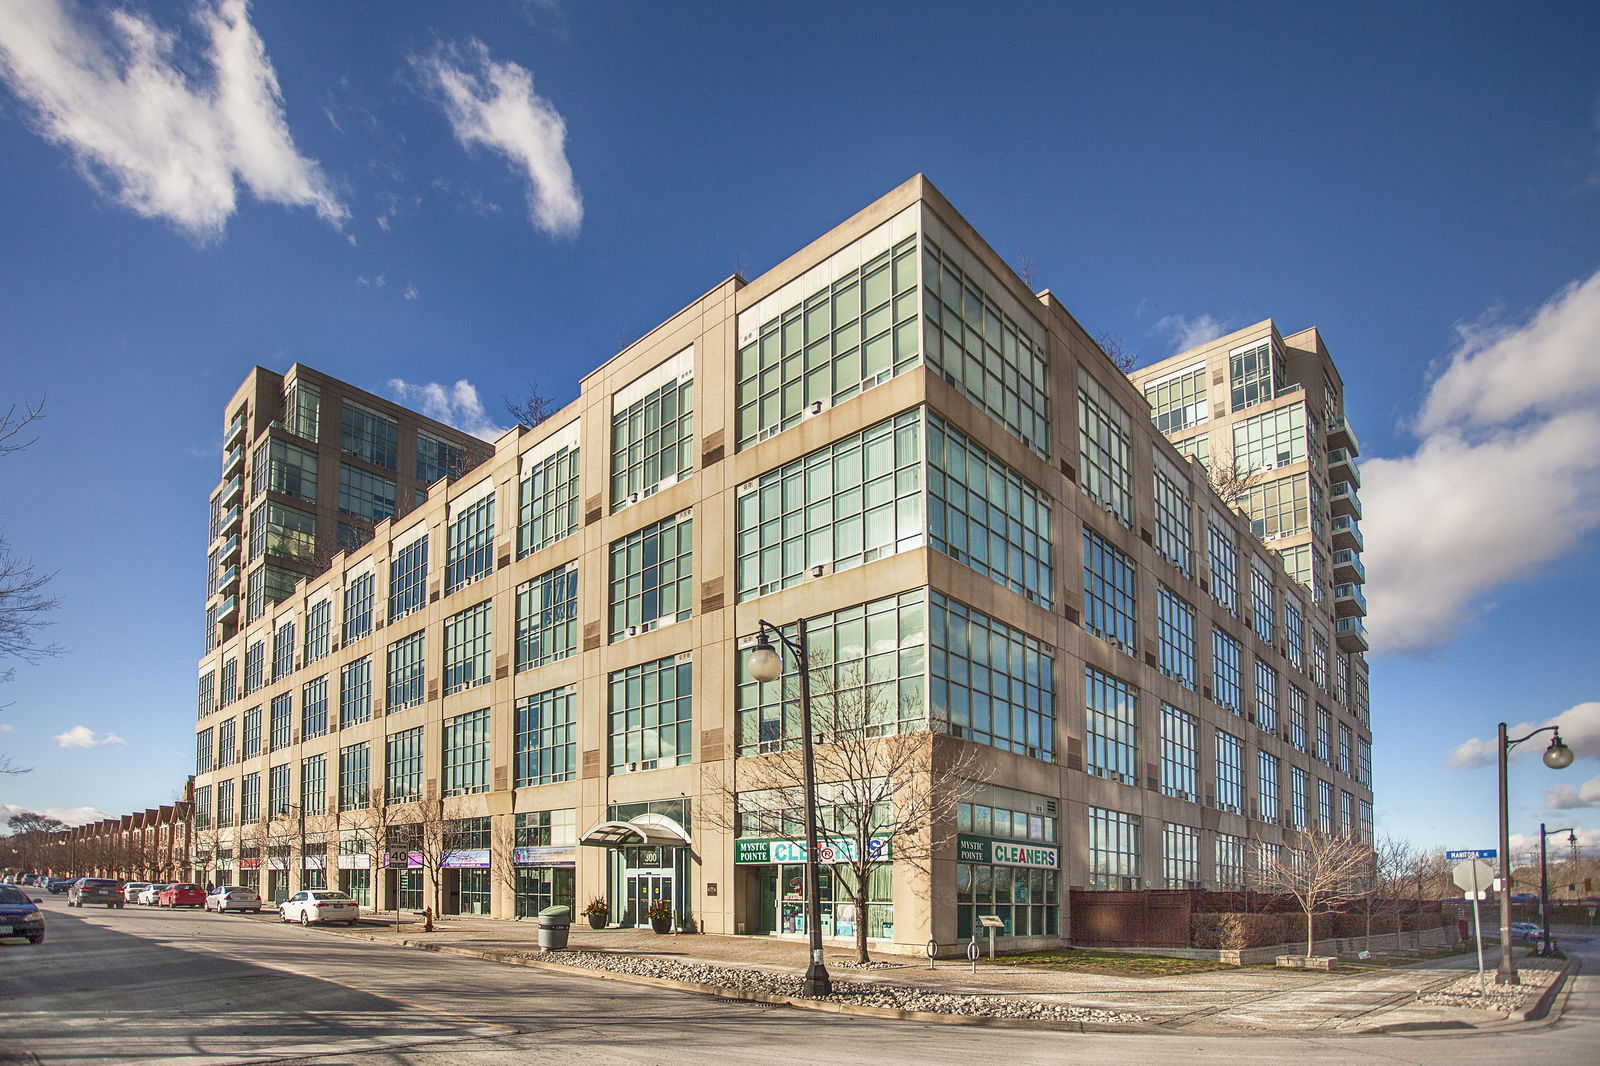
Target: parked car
<point>58,885</point>
<point>319,905</point>
<point>182,895</point>
<point>150,894</point>
<point>1526,931</point>
<point>101,890</point>
<point>233,898</point>
<point>20,915</point>
<point>131,890</point>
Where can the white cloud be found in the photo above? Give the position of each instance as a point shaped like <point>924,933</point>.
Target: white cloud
<point>1189,333</point>
<point>493,104</point>
<point>1506,478</point>
<point>165,133</point>
<point>1579,726</point>
<point>455,405</point>
<point>6,727</point>
<point>411,292</point>
<point>81,736</point>
<point>72,816</point>
<point>1568,797</point>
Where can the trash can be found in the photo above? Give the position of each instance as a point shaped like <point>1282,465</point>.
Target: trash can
<point>554,923</point>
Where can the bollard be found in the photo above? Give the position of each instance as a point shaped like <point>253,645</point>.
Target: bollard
<point>972,953</point>
<point>933,949</point>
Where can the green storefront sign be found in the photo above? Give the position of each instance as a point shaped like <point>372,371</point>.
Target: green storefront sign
<point>989,851</point>
<point>829,852</point>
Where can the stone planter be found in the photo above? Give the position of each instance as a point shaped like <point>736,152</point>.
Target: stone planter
<point>597,921</point>
<point>661,925</point>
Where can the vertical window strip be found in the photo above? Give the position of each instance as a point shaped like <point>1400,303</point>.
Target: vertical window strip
<point>408,579</point>
<point>367,435</point>
<point>547,499</point>
<point>314,708</point>
<point>358,596</point>
<point>1114,852</point>
<point>546,732</point>
<point>319,631</point>
<point>652,443</point>
<point>283,649</point>
<point>468,648</point>
<point>1111,727</point>
<point>1267,767</point>
<point>280,721</point>
<point>1108,592</point>
<point>355,777</point>
<point>547,613</point>
<point>1180,755</point>
<point>466,754</point>
<point>1230,773</point>
<point>1299,704</point>
<point>1266,697</point>
<point>652,577</point>
<point>403,766</point>
<point>1174,537</point>
<point>1224,568</point>
<point>355,692</point>
<point>469,553</point>
<point>407,672</point>
<point>1263,612</point>
<point>1227,686</point>
<point>1180,855</point>
<point>650,712</point>
<point>990,683</point>
<point>1175,637</point>
<point>1250,375</point>
<point>1105,444</point>
<point>314,784</point>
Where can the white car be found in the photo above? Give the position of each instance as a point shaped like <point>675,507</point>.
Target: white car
<point>233,898</point>
<point>149,893</point>
<point>131,890</point>
<point>319,905</point>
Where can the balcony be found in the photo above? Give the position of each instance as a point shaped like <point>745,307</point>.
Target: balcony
<point>1340,435</point>
<point>1347,533</point>
<point>230,549</point>
<point>227,608</point>
<point>229,578</point>
<point>1349,600</point>
<point>230,519</point>
<point>1342,466</point>
<point>233,491</point>
<point>1344,499</point>
<point>235,433</point>
<point>1347,566</point>
<point>1350,634</point>
<point>233,461</point>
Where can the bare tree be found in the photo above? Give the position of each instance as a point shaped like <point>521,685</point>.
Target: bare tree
<point>1028,266</point>
<point>24,604</point>
<point>1322,872</point>
<point>887,789</point>
<point>1111,344</point>
<point>438,841</point>
<point>532,409</point>
<point>32,836</point>
<point>1230,482</point>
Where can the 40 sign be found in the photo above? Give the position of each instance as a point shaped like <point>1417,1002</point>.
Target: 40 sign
<point>769,852</point>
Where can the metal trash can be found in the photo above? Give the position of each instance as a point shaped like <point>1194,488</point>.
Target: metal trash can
<point>554,924</point>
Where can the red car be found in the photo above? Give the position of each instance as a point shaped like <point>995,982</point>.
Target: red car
<point>182,896</point>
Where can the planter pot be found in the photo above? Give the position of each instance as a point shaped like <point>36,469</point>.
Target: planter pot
<point>661,925</point>
<point>597,921</point>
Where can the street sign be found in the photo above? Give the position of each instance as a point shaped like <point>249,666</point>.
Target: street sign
<point>1481,853</point>
<point>1473,875</point>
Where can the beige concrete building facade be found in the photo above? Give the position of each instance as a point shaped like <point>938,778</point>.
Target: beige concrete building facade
<point>531,688</point>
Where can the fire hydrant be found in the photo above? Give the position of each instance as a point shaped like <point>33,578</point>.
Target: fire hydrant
<point>427,919</point>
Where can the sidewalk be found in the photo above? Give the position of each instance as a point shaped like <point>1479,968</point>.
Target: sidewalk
<point>1249,998</point>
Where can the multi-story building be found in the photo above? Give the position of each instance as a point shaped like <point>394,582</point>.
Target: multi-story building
<point>297,486</point>
<point>889,437</point>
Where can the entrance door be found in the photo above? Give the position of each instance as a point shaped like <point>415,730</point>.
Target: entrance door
<point>277,885</point>
<point>767,899</point>
<point>644,888</point>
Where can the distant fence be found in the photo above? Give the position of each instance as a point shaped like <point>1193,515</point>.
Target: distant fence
<point>1184,918</point>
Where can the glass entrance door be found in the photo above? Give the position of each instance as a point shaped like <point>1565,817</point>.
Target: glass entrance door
<point>643,889</point>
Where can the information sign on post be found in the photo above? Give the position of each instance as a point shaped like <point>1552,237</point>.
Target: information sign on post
<point>1472,874</point>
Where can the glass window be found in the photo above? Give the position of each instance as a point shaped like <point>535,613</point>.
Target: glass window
<point>228,742</point>
<point>652,577</point>
<point>1227,683</point>
<point>1178,400</point>
<point>1113,849</point>
<point>358,608</point>
<point>407,672</point>
<point>403,766</point>
<point>250,733</point>
<point>319,627</point>
<point>650,708</point>
<point>255,657</point>
<point>314,708</point>
<point>985,515</point>
<point>1174,537</point>
<point>437,459</point>
<point>365,495</point>
<point>1180,754</point>
<point>250,798</point>
<point>314,784</point>
<point>548,502</point>
<point>202,751</point>
<point>1267,768</point>
<point>1278,508</point>
<point>1105,444</point>
<point>1324,736</point>
<point>1230,773</point>
<point>302,410</point>
<point>546,748</point>
<point>278,791</point>
<point>1108,593</point>
<point>1297,798</point>
<point>225,803</point>
<point>466,753</point>
<point>283,649</point>
<point>467,648</point>
<point>469,554</point>
<point>1230,862</point>
<point>408,579</point>
<point>1250,375</point>
<point>991,683</point>
<point>206,694</point>
<point>1180,855</point>
<point>1299,708</point>
<point>280,721</point>
<point>355,692</point>
<point>1324,807</point>
<point>355,777</point>
<point>1294,631</point>
<point>1276,438</point>
<point>278,529</point>
<point>1175,637</point>
<point>1263,614</point>
<point>230,681</point>
<point>368,435</point>
<point>856,500</point>
<point>1111,707</point>
<point>1224,562</point>
<point>1266,697</point>
<point>290,469</point>
<point>547,617</point>
<point>1197,447</point>
<point>652,442</point>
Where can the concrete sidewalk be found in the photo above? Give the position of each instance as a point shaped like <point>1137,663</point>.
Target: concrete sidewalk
<point>1261,999</point>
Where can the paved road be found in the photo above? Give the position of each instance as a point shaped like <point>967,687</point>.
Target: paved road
<point>145,987</point>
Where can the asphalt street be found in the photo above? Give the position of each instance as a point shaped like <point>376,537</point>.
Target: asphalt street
<point>143,986</point>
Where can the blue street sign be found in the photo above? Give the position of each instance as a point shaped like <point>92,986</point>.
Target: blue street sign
<point>1481,853</point>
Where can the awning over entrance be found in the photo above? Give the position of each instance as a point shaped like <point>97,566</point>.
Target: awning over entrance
<point>641,830</point>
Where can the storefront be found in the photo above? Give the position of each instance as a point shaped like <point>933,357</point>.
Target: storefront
<point>772,876</point>
<point>466,881</point>
<point>1008,864</point>
<point>649,864</point>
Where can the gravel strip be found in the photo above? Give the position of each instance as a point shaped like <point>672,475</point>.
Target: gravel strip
<point>898,997</point>
<point>1536,975</point>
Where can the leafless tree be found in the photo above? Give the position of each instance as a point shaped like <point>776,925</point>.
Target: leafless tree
<point>532,409</point>
<point>24,605</point>
<point>1230,482</point>
<point>1322,872</point>
<point>437,839</point>
<point>1120,357</point>
<point>886,790</point>
<point>1028,266</point>
<point>31,838</point>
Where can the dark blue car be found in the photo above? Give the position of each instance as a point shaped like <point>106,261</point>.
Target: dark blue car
<point>20,915</point>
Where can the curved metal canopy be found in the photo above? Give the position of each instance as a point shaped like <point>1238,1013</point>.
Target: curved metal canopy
<point>643,829</point>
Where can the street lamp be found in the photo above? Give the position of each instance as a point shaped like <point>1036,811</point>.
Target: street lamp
<point>766,664</point>
<point>1544,877</point>
<point>1558,757</point>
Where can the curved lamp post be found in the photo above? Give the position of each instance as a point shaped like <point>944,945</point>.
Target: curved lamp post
<point>1558,757</point>
<point>1544,876</point>
<point>766,664</point>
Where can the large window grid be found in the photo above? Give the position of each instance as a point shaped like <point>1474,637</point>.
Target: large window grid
<point>652,442</point>
<point>355,692</point>
<point>1299,710</point>
<point>255,657</point>
<point>547,618</point>
<point>992,358</point>
<point>1178,400</point>
<point>987,516</point>
<point>1230,773</point>
<point>408,579</point>
<point>1263,613</point>
<point>1180,855</point>
<point>365,495</point>
<point>407,672</point>
<point>249,799</point>
<point>290,469</point>
<point>1180,754</point>
<point>437,459</point>
<point>1108,593</point>
<point>1113,849</point>
<point>652,576</point>
<point>355,777</point>
<point>546,738</point>
<point>1276,438</point>
<point>650,715</point>
<point>319,630</point>
<point>548,501</point>
<point>1230,862</point>
<point>302,414</point>
<point>358,595</point>
<point>283,649</point>
<point>1250,373</point>
<point>1111,710</point>
<point>226,810</point>
<point>1278,508</point>
<point>230,681</point>
<point>1266,697</point>
<point>278,529</point>
<point>206,694</point>
<point>202,751</point>
<point>1105,439</point>
<point>1224,562</point>
<point>1267,786</point>
<point>843,338</point>
<point>314,708</point>
<point>280,721</point>
<point>250,733</point>
<point>1227,680</point>
<point>856,500</point>
<point>278,791</point>
<point>469,552</point>
<point>368,435</point>
<point>466,753</point>
<point>991,683</point>
<point>1174,537</point>
<point>468,648</point>
<point>314,784</point>
<point>1175,637</point>
<point>403,766</point>
<point>228,742</point>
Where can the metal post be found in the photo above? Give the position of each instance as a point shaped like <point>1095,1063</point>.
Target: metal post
<point>816,982</point>
<point>1544,892</point>
<point>1506,974</point>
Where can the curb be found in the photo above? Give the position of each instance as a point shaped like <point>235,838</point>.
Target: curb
<point>1541,1006</point>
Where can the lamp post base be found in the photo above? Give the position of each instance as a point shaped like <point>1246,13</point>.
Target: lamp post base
<point>1501,977</point>
<point>816,981</point>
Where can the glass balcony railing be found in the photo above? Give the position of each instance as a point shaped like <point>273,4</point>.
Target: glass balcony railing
<point>1350,634</point>
<point>1340,435</point>
<point>1349,561</point>
<point>1349,599</point>
<point>1345,500</point>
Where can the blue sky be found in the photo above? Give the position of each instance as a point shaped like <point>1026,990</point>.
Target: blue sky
<point>504,193</point>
